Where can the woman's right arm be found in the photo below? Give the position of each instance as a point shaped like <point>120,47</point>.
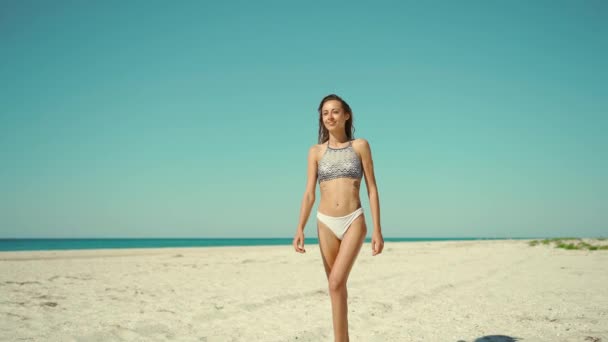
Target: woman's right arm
<point>309,194</point>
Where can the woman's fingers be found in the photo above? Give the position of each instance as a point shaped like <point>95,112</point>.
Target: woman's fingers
<point>377,247</point>
<point>298,244</point>
<point>301,246</point>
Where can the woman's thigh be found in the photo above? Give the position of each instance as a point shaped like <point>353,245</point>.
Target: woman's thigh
<point>345,250</point>
<point>350,246</point>
<point>329,246</point>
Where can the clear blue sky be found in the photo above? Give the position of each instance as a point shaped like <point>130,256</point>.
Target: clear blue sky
<point>193,119</point>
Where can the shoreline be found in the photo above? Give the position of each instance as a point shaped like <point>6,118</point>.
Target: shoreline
<point>143,251</point>
<point>69,244</point>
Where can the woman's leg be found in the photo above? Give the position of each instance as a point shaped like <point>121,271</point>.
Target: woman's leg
<point>329,245</point>
<point>338,259</point>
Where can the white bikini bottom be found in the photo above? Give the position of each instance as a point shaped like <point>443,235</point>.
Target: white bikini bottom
<point>339,225</point>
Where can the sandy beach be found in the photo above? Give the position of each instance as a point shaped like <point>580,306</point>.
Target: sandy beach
<point>415,291</point>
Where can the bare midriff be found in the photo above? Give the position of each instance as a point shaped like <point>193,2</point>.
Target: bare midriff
<point>340,196</point>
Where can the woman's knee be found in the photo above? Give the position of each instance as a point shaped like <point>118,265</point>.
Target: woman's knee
<point>336,283</point>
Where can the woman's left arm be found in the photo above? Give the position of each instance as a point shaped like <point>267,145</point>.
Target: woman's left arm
<point>372,192</point>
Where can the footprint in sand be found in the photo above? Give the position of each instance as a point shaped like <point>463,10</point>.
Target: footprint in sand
<point>22,318</point>
<point>21,283</point>
<point>82,277</point>
<point>381,308</point>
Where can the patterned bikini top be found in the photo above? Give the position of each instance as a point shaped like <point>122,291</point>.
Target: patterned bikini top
<point>339,163</point>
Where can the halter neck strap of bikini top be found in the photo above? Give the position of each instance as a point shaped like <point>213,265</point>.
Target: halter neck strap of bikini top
<point>350,143</point>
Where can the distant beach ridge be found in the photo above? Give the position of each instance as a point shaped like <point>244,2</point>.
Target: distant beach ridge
<point>45,244</point>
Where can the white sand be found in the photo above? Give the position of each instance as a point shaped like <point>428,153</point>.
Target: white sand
<point>426,291</point>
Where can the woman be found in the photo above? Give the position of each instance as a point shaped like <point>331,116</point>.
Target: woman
<point>339,162</point>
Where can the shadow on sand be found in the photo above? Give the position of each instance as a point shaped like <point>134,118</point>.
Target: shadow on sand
<point>495,338</point>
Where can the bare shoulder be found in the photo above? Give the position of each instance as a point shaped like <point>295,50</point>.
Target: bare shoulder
<point>314,151</point>
<point>361,145</point>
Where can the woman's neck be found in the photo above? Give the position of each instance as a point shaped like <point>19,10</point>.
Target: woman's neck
<point>337,139</point>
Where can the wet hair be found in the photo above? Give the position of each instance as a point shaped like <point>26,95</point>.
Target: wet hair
<point>348,127</point>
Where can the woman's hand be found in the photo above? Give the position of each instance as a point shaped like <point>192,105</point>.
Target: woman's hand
<point>298,242</point>
<point>377,243</point>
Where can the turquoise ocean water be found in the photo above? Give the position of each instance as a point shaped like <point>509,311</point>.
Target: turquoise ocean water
<point>111,243</point>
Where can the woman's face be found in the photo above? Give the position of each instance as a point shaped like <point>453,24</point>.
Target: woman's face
<point>334,117</point>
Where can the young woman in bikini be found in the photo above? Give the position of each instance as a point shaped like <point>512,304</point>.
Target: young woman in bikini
<point>339,162</point>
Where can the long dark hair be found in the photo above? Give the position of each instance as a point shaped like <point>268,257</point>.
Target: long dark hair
<point>348,127</point>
